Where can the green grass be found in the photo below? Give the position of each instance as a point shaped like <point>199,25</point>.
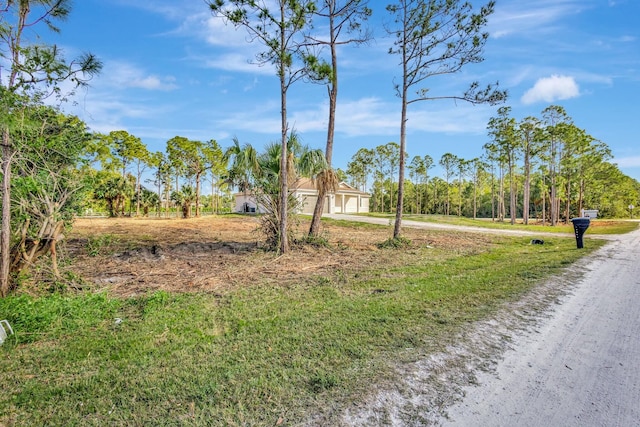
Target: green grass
<point>265,355</point>
<point>613,227</point>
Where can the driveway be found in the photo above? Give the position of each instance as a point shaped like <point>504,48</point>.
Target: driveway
<point>440,226</point>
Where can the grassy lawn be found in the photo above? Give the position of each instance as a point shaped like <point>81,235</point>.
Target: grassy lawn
<point>264,354</point>
<point>597,226</point>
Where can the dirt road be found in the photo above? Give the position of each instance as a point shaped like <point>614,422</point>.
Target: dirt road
<point>552,359</point>
<point>580,367</point>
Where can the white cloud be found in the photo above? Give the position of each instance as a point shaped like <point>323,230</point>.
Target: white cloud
<point>218,32</point>
<point>240,63</point>
<point>628,162</point>
<point>372,116</point>
<point>170,9</point>
<point>550,89</point>
<point>527,17</point>
<point>461,119</point>
<point>122,75</point>
<point>627,39</point>
<point>261,118</point>
<point>107,112</point>
<point>517,76</point>
<point>367,116</point>
<point>154,82</point>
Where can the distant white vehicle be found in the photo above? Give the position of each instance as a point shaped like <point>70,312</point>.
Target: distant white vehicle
<point>589,213</point>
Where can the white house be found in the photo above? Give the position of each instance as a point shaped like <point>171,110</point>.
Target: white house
<point>346,199</point>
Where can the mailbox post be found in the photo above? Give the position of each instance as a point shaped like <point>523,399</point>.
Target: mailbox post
<point>580,225</point>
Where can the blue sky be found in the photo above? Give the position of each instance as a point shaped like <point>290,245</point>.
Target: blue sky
<point>170,68</point>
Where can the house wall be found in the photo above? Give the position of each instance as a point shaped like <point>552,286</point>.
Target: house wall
<point>349,203</point>
<point>240,203</point>
<point>364,204</point>
<point>308,204</point>
<point>336,203</point>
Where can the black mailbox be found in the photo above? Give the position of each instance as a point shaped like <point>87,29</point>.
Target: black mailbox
<point>580,225</point>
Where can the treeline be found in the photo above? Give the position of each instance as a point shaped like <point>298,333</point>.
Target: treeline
<point>545,169</point>
<point>53,167</point>
<point>121,161</point>
<point>541,168</point>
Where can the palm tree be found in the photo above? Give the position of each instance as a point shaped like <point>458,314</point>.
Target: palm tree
<point>326,181</point>
<point>243,168</point>
<point>184,198</point>
<point>301,161</point>
<point>313,164</point>
<point>148,199</point>
<point>114,191</point>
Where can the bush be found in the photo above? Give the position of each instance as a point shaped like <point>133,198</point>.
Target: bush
<point>395,243</point>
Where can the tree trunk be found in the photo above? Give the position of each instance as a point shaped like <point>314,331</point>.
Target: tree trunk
<point>460,178</point>
<point>581,196</point>
<point>435,198</point>
<point>214,207</point>
<point>512,189</point>
<point>159,213</point>
<point>27,251</point>
<point>553,211</point>
<point>552,204</point>
<point>417,190</point>
<point>314,229</point>
<point>501,209</point>
<point>284,185</point>
<point>475,197</point>
<point>526,190</point>
<point>166,201</point>
<point>403,143</point>
<point>198,194</point>
<point>493,193</point>
<point>568,207</point>
<point>425,199</point>
<point>5,232</point>
<point>544,201</point>
<point>138,188</point>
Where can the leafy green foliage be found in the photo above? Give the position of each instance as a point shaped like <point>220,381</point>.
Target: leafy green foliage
<point>114,190</point>
<point>47,189</point>
<point>36,71</point>
<point>315,241</point>
<point>96,245</point>
<point>395,243</point>
<point>149,199</point>
<point>184,198</point>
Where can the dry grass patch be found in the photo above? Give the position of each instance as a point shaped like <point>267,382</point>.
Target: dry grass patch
<point>130,256</point>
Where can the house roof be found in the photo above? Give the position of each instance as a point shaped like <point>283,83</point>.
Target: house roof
<point>343,187</point>
<point>306,185</point>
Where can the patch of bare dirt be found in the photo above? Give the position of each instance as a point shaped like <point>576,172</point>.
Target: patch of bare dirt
<point>130,256</point>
